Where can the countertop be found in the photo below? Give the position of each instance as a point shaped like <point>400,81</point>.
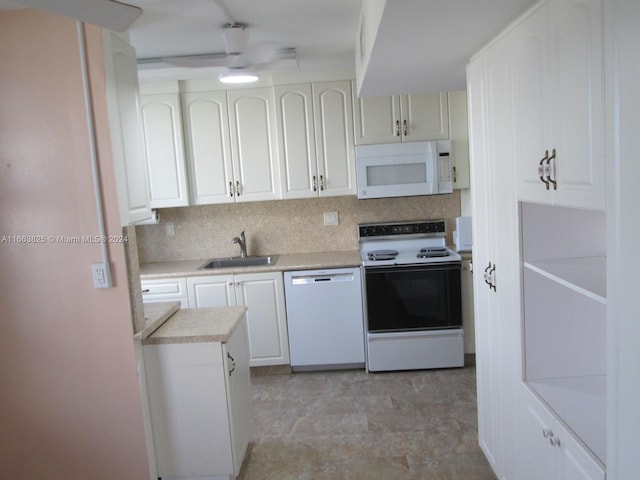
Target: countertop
<point>196,325</point>
<point>285,262</point>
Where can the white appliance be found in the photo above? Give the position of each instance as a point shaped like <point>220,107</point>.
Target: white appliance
<point>325,319</point>
<point>404,169</point>
<point>462,234</point>
<point>413,308</point>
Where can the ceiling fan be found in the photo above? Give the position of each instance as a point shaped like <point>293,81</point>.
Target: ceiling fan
<point>240,60</point>
<point>109,14</point>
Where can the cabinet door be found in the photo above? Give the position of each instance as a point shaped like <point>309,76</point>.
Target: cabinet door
<point>459,133</point>
<point>162,122</point>
<point>188,409</point>
<point>497,307</point>
<point>211,291</point>
<point>531,93</point>
<point>577,108</point>
<point>125,122</point>
<point>296,141</point>
<point>377,119</point>
<point>426,117</point>
<point>236,354</point>
<point>333,117</point>
<point>486,362</point>
<point>253,144</point>
<point>208,147</point>
<point>263,295</point>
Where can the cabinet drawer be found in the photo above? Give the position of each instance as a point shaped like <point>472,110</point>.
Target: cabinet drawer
<point>173,287</point>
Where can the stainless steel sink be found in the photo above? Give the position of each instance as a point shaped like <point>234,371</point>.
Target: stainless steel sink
<point>230,262</point>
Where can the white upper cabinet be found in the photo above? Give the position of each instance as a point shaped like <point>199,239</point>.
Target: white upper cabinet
<point>302,174</point>
<point>401,118</point>
<point>559,104</point>
<point>254,144</point>
<point>162,123</point>
<point>231,146</point>
<point>208,147</point>
<point>459,134</point>
<point>333,120</point>
<point>125,123</point>
<point>296,141</point>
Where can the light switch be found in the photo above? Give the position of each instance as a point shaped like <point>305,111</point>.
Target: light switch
<point>331,219</point>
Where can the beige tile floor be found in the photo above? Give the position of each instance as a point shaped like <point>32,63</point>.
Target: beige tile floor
<point>345,425</point>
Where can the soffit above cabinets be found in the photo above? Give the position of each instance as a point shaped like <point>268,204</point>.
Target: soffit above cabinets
<point>424,47</point>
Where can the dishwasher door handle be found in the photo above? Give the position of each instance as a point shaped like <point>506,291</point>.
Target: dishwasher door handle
<point>307,280</point>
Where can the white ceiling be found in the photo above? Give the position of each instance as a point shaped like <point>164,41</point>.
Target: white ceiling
<point>422,45</point>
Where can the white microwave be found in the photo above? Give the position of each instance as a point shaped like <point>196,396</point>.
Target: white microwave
<point>404,169</point>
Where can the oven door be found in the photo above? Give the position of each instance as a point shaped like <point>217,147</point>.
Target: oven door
<point>414,297</point>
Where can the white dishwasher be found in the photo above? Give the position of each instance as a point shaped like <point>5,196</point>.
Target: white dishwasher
<point>325,319</point>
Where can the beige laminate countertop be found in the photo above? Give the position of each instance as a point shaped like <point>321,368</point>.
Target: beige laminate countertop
<point>285,262</point>
<point>196,325</point>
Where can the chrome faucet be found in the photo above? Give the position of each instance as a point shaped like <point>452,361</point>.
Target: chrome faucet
<point>243,244</point>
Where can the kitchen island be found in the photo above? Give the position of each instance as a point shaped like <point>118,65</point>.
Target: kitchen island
<point>196,365</point>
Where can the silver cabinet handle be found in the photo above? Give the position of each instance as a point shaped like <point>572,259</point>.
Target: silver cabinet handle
<point>397,128</point>
<point>541,169</point>
<point>315,184</point>
<point>231,189</point>
<point>321,183</point>
<point>232,364</point>
<point>237,188</point>
<point>550,170</point>
<point>554,441</point>
<point>146,290</point>
<point>455,174</point>
<point>547,432</point>
<point>405,130</point>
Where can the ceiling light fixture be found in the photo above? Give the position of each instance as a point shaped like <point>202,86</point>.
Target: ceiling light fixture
<point>240,76</point>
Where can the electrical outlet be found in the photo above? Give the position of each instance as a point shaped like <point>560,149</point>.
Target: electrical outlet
<point>331,219</point>
<point>101,275</point>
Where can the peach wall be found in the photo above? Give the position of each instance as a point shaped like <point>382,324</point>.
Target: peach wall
<point>69,399</point>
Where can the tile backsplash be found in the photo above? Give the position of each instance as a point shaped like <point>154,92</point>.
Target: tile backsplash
<point>284,226</point>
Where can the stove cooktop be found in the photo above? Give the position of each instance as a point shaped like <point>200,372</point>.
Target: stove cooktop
<point>405,243</point>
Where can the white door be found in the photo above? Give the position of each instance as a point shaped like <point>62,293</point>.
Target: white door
<point>236,356</point>
<point>208,148</point>
<point>377,119</point>
<point>483,257</point>
<point>296,141</point>
<point>577,108</point>
<point>125,122</point>
<point>531,113</point>
<point>424,117</point>
<point>333,117</point>
<point>211,291</point>
<point>263,295</point>
<point>162,122</point>
<point>254,144</point>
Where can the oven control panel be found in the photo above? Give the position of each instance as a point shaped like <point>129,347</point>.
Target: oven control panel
<point>430,228</point>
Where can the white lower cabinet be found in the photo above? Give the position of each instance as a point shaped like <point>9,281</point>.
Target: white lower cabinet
<point>200,406</point>
<point>263,295</point>
<point>548,450</point>
<point>165,290</point>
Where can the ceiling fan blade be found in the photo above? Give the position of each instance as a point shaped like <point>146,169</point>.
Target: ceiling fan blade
<point>196,61</point>
<point>108,14</point>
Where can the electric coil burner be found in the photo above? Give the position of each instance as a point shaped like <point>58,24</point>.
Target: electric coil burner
<point>413,300</point>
